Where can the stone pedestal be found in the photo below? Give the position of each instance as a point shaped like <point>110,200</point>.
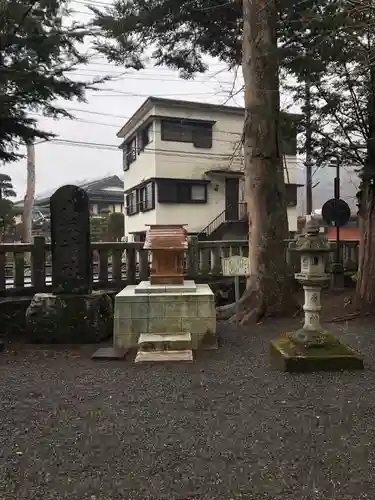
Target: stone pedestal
<point>69,318</point>
<point>311,331</point>
<point>165,310</point>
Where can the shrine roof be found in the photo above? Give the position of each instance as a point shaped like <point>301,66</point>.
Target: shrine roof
<point>171,237</point>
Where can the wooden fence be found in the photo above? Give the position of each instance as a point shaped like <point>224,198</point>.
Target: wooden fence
<point>26,269</point>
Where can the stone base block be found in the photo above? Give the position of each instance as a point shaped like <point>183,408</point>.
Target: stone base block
<point>69,318</point>
<point>109,353</point>
<point>163,342</point>
<point>147,287</point>
<point>164,356</point>
<point>192,311</point>
<point>331,356</point>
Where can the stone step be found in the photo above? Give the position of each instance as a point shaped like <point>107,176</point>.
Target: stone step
<point>164,341</point>
<point>164,356</point>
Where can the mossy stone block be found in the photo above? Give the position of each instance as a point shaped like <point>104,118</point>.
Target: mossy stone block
<point>69,318</point>
<point>331,355</point>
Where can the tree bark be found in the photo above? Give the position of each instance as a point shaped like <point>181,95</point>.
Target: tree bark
<point>30,195</point>
<point>365,291</point>
<point>269,286</point>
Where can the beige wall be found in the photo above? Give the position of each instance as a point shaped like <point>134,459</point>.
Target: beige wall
<point>141,169</point>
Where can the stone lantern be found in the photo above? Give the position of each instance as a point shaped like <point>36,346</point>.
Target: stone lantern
<point>311,348</point>
<point>313,249</point>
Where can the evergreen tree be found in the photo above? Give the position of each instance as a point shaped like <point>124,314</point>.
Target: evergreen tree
<point>37,50</point>
<point>6,187</point>
<point>6,205</point>
<point>182,32</point>
<point>115,226</point>
<point>343,109</point>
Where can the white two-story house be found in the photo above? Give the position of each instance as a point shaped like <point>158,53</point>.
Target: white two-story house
<point>183,164</point>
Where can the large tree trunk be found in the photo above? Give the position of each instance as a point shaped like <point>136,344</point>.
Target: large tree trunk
<point>365,292</point>
<point>269,286</point>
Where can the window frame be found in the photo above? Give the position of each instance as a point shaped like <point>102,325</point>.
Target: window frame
<point>180,188</point>
<point>192,127</point>
<point>130,152</point>
<point>132,205</point>
<point>146,131</point>
<point>141,198</point>
<point>197,200</point>
<point>147,197</point>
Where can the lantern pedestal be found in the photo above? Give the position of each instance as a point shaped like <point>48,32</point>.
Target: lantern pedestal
<point>331,355</point>
<point>311,348</point>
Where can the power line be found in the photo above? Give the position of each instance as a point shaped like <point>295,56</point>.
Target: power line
<point>166,152</point>
<point>229,132</point>
<point>155,150</point>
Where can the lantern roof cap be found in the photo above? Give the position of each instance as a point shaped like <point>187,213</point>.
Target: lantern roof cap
<point>312,241</point>
<point>312,226</point>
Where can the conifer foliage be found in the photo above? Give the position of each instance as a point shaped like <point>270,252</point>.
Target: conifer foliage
<point>38,48</point>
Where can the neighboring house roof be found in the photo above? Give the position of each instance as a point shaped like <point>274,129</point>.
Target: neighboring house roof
<point>94,187</point>
<point>151,101</point>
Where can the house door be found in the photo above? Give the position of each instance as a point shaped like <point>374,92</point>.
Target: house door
<point>231,198</point>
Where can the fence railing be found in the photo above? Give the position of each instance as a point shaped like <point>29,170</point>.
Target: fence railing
<point>26,269</point>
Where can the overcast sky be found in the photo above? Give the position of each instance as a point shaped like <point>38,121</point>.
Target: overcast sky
<point>93,151</point>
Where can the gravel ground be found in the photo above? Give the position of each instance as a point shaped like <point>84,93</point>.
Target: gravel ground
<point>226,427</point>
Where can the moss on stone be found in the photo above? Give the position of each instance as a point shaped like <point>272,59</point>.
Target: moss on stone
<point>69,318</point>
<point>328,355</point>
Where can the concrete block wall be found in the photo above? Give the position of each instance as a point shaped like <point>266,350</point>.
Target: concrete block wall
<point>137,313</point>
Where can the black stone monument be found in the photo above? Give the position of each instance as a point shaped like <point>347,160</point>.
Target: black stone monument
<point>70,241</point>
<point>72,313</point>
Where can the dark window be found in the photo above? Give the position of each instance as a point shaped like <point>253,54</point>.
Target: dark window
<point>174,191</point>
<point>144,137</point>
<point>167,191</point>
<point>199,134</point>
<point>147,197</point>
<point>131,203</point>
<point>103,208</point>
<point>202,136</point>
<point>291,195</point>
<point>130,153</point>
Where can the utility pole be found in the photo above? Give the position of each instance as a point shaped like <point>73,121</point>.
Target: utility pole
<point>308,162</point>
<point>337,267</point>
<point>337,197</point>
<point>30,194</point>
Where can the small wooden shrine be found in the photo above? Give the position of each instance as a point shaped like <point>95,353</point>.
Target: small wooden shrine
<point>167,244</point>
